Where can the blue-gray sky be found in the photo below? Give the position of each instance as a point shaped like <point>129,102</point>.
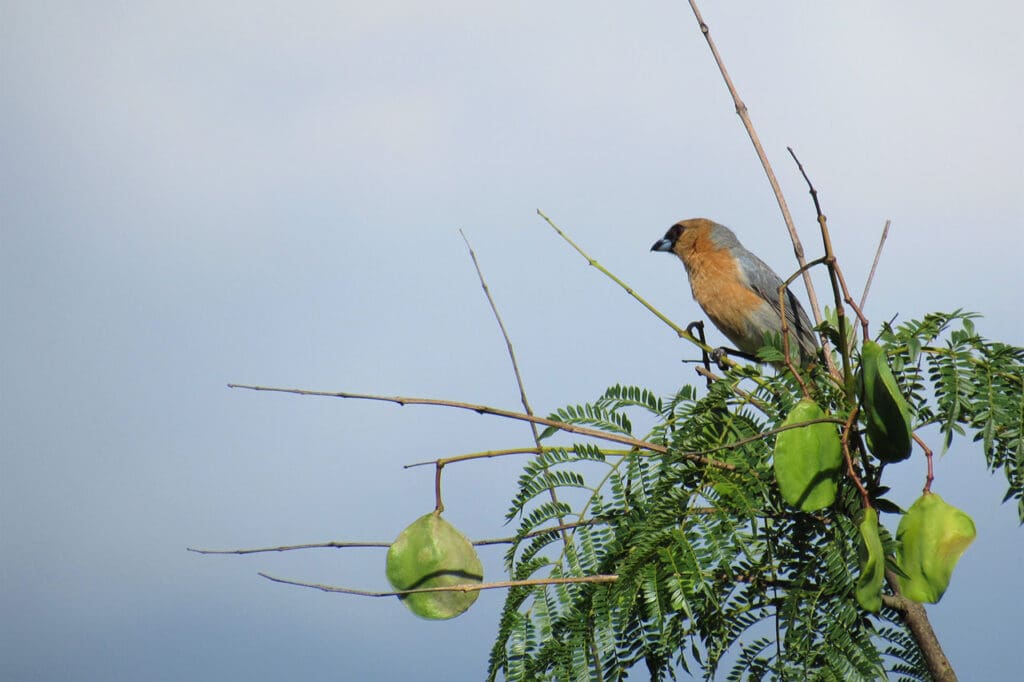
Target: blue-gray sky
<point>195,193</point>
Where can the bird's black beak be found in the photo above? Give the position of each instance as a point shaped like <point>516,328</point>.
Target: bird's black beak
<point>662,245</point>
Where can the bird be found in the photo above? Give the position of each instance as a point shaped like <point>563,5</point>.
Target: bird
<point>736,289</point>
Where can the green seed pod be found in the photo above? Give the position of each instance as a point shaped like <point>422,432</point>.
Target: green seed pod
<point>932,536</point>
<point>886,412</point>
<point>871,558</point>
<point>432,553</point>
<point>807,459</point>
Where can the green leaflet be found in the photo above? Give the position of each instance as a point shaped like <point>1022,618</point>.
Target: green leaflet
<point>807,459</point>
<point>871,558</point>
<point>886,412</point>
<point>431,552</point>
<point>932,536</point>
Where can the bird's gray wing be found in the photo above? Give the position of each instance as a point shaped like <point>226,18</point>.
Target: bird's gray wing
<point>763,280</point>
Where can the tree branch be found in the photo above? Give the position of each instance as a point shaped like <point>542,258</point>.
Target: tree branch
<point>916,618</point>
<point>469,587</point>
<point>508,414</point>
<point>874,264</point>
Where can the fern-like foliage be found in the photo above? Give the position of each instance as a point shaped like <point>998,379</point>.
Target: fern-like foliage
<point>716,574</point>
<point>967,385</point>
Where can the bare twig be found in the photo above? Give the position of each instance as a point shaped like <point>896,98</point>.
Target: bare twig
<point>840,291</point>
<point>696,457</point>
<point>683,333</point>
<point>928,456</point>
<point>850,470</point>
<point>469,587</point>
<point>916,618</point>
<point>874,264</point>
<point>291,548</point>
<point>438,503</point>
<point>783,290</point>
<point>485,542</point>
<point>504,334</point>
<point>508,414</point>
<point>552,493</point>
<point>357,545</point>
<point>487,454</point>
<point>744,114</point>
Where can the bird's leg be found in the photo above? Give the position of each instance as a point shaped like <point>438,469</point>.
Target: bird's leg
<point>696,328</point>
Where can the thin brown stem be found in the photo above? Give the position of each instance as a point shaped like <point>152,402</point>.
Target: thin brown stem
<point>830,261</point>
<point>682,333</point>
<point>358,545</point>
<point>291,548</point>
<point>783,290</point>
<point>469,587</point>
<point>552,493</point>
<point>504,335</point>
<point>850,469</point>
<point>486,454</point>
<point>744,114</point>
<point>931,471</point>
<point>438,503</point>
<point>850,302</point>
<point>507,414</point>
<point>484,542</point>
<point>874,264</point>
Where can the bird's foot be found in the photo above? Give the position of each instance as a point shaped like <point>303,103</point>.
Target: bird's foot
<point>718,355</point>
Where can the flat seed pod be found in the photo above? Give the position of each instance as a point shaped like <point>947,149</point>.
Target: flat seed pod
<point>886,412</point>
<point>807,459</point>
<point>933,535</point>
<point>431,552</point>
<point>871,558</point>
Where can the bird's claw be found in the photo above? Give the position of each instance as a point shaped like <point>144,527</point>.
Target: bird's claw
<point>718,356</point>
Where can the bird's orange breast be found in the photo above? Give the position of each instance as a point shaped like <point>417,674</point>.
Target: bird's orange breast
<point>721,291</point>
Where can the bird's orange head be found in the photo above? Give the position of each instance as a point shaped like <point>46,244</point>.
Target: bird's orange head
<point>689,238</point>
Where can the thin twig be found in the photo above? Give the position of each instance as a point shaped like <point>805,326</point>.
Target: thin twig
<point>508,414</point>
<point>357,545</point>
<point>850,470</point>
<point>504,334</point>
<point>928,456</point>
<point>831,262</point>
<point>552,494</point>
<point>469,587</point>
<point>438,503</point>
<point>487,454</point>
<point>874,264</point>
<point>783,291</point>
<point>744,114</point>
<point>696,457</point>
<point>290,548</point>
<point>683,333</point>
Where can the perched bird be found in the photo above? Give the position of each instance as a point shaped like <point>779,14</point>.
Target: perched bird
<point>736,289</point>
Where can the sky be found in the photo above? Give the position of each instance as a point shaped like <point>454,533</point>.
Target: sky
<point>193,194</point>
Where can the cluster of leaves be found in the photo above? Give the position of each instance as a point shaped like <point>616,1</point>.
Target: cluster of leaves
<point>967,385</point>
<point>714,569</point>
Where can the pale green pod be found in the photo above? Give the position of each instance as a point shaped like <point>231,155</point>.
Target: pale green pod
<point>807,459</point>
<point>932,535</point>
<point>871,559</point>
<point>886,414</point>
<point>431,552</point>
